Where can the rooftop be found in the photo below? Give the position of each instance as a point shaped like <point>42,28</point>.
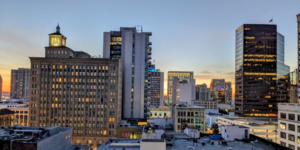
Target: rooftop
<point>6,112</point>
<point>186,144</point>
<point>22,132</point>
<point>254,121</point>
<point>182,144</point>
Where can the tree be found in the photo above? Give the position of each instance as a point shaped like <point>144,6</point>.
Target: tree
<point>215,128</point>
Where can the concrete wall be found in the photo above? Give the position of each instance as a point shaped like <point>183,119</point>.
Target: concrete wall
<point>153,146</point>
<point>192,133</point>
<point>62,140</point>
<point>230,133</point>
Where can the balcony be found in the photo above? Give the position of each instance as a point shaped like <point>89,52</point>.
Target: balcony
<point>148,57</point>
<point>149,52</point>
<point>149,43</point>
<point>149,48</point>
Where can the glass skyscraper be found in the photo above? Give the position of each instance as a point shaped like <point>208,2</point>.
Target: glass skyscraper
<point>262,78</point>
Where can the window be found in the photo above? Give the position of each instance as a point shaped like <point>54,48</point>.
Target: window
<point>291,127</point>
<point>178,127</point>
<point>298,129</point>
<point>298,117</point>
<point>283,115</point>
<point>291,146</point>
<point>282,125</point>
<point>298,139</point>
<point>292,137</point>
<point>282,143</point>
<point>178,120</point>
<point>291,116</point>
<point>283,135</point>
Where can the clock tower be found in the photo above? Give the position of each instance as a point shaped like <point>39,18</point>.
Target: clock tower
<point>56,39</point>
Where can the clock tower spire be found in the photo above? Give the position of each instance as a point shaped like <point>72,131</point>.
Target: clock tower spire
<point>57,29</point>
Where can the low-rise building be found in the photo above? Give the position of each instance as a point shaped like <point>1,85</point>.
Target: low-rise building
<point>160,112</point>
<point>192,132</point>
<point>6,117</point>
<point>132,144</point>
<point>129,130</point>
<point>44,138</point>
<point>289,125</point>
<point>188,116</point>
<point>206,104</point>
<point>226,107</point>
<point>180,141</point>
<point>262,127</point>
<point>20,109</point>
<point>231,132</point>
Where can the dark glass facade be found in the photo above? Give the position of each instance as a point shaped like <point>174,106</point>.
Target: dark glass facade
<point>262,78</point>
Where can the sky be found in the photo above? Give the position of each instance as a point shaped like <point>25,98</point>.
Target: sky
<point>187,35</point>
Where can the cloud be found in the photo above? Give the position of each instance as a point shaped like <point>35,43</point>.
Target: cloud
<point>205,72</point>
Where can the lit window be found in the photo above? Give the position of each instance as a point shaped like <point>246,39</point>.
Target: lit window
<point>282,126</point>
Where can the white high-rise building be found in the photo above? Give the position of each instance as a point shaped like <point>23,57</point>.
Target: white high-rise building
<point>133,46</point>
<point>298,27</point>
<point>20,83</point>
<point>185,90</point>
<point>289,125</point>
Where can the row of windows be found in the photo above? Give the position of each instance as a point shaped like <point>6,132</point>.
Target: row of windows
<point>35,66</point>
<point>290,116</point>
<point>112,100</point>
<point>291,127</point>
<point>189,114</point>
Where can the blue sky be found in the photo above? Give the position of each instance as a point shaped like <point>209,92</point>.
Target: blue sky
<point>187,35</point>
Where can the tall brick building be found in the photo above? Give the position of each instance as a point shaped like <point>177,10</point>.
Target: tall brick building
<point>71,89</point>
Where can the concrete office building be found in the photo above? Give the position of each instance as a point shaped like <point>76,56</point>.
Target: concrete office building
<point>228,92</point>
<point>156,91</point>
<point>1,87</point>
<point>217,88</point>
<point>289,125</point>
<point>185,90</point>
<point>20,83</point>
<point>71,89</point>
<point>298,35</point>
<point>181,75</point>
<point>203,93</point>
<point>261,77</point>
<point>133,46</point>
<point>188,116</point>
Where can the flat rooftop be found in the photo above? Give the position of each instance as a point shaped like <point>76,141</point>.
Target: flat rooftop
<point>181,144</point>
<point>254,121</point>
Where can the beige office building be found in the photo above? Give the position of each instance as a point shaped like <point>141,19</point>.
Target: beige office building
<point>71,89</point>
